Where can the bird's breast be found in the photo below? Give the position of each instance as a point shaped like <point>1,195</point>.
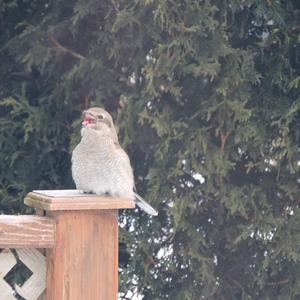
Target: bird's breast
<point>96,168</point>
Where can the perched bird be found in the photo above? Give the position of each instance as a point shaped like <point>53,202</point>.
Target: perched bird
<point>99,164</point>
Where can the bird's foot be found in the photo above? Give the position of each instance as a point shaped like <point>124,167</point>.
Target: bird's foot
<point>87,192</point>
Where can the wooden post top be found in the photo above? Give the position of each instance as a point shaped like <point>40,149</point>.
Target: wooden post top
<point>54,200</point>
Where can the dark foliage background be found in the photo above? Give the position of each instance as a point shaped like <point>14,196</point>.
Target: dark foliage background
<point>206,98</point>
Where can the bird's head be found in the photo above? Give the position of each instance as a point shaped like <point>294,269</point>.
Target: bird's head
<point>99,119</point>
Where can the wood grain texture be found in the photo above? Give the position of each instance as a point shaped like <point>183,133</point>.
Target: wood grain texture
<point>54,200</point>
<point>40,212</point>
<point>84,261</point>
<point>26,231</point>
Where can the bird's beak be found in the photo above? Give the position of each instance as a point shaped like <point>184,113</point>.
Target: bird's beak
<point>88,119</point>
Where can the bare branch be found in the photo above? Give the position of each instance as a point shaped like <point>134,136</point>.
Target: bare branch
<point>224,138</point>
<point>87,102</point>
<point>64,49</point>
<point>283,281</point>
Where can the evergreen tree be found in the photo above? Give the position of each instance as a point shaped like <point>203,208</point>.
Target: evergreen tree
<point>206,98</point>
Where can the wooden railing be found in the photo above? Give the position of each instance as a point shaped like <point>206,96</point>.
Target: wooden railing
<point>80,235</point>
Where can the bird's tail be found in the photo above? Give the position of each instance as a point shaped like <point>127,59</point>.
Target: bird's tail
<point>146,207</point>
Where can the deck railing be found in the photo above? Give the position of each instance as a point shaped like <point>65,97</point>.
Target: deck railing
<point>77,238</point>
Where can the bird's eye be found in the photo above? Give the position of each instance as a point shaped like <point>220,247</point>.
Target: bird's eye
<point>101,117</point>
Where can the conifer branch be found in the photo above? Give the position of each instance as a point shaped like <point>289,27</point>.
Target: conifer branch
<point>64,49</point>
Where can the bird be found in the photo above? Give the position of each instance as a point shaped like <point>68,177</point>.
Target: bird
<point>99,164</point>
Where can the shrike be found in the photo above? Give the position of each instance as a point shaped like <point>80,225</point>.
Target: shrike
<point>99,164</point>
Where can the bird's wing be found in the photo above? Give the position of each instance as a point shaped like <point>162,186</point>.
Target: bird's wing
<point>123,158</point>
<point>140,202</point>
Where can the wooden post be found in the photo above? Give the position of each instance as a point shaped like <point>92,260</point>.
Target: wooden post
<point>83,263</point>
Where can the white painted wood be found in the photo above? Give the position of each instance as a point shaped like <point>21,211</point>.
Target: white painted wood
<point>42,297</point>
<point>7,262</point>
<point>63,193</point>
<point>36,283</point>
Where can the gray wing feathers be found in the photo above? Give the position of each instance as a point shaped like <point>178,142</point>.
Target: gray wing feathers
<point>140,202</point>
